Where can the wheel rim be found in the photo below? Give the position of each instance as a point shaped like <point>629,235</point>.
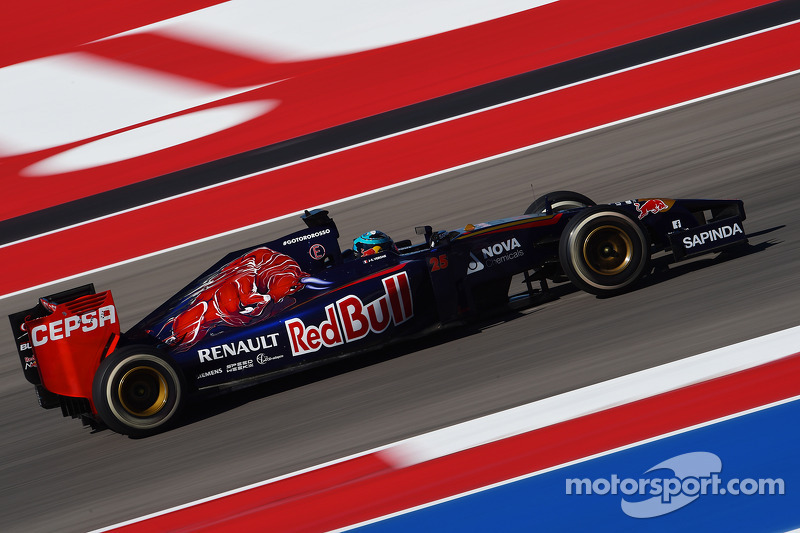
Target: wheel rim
<point>608,250</point>
<point>142,391</point>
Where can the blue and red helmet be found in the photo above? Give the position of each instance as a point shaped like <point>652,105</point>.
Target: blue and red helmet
<point>372,242</point>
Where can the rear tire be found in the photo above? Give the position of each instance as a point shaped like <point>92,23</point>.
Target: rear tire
<point>137,391</point>
<point>604,251</point>
<point>559,201</point>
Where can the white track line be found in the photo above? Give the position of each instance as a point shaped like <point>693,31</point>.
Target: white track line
<point>406,182</point>
<point>594,398</point>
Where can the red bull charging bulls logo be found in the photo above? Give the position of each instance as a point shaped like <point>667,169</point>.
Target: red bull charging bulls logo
<point>248,290</point>
<point>350,319</point>
<point>653,206</point>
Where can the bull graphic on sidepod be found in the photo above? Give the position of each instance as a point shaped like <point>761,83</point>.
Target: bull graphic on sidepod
<point>248,290</point>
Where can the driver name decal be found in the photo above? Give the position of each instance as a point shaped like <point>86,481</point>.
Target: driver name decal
<point>350,319</point>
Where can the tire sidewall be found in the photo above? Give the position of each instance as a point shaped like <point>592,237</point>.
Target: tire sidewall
<point>106,382</point>
<point>571,251</point>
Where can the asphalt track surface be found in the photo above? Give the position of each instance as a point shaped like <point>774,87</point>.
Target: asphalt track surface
<point>57,476</point>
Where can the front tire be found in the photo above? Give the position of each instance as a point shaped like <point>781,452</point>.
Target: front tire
<point>604,251</point>
<point>137,391</point>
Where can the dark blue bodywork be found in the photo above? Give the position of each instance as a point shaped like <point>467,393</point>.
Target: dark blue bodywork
<point>452,276</point>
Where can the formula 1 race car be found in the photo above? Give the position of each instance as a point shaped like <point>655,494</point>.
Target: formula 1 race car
<point>298,301</point>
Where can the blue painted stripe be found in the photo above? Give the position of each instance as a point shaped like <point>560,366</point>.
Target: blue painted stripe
<point>757,445</point>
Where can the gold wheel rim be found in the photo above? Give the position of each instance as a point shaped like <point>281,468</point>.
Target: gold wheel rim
<point>607,250</point>
<point>142,391</point>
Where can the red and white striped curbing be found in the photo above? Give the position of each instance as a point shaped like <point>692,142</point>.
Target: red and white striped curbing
<point>518,442</point>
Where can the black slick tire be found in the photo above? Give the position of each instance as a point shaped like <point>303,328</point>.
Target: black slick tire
<point>138,391</point>
<point>604,251</point>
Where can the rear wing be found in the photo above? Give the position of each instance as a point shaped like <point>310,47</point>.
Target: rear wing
<point>21,333</point>
<point>63,338</point>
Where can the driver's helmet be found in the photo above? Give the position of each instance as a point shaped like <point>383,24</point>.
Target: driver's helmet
<point>373,242</point>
